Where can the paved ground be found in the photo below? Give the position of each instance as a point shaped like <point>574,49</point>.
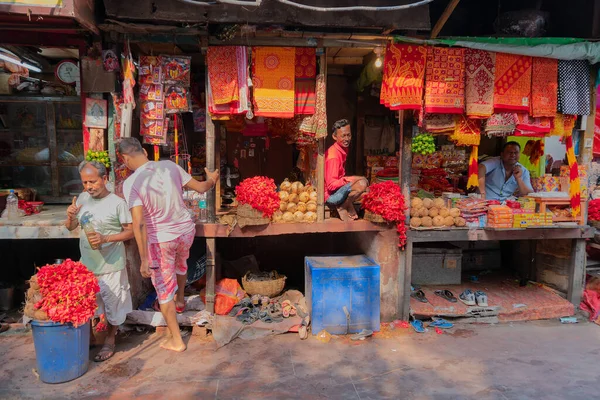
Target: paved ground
<point>535,360</point>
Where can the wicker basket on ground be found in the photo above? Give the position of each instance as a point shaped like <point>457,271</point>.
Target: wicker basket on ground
<point>269,288</point>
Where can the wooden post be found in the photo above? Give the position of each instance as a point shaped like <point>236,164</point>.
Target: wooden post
<point>404,167</point>
<point>577,272</point>
<point>52,148</point>
<point>443,18</point>
<point>210,273</point>
<point>126,118</point>
<point>321,152</point>
<point>210,157</point>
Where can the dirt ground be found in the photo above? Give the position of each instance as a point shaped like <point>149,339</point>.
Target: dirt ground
<point>534,360</point>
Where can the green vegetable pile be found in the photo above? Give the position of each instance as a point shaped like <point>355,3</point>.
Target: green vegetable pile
<point>423,144</point>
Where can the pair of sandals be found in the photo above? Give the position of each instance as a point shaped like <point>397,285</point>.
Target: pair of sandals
<point>419,295</point>
<point>440,323</point>
<point>477,298</point>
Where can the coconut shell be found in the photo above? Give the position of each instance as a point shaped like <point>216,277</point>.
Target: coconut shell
<point>460,221</point>
<point>423,212</point>
<point>297,187</point>
<point>313,196</point>
<point>283,195</point>
<point>298,216</point>
<point>414,212</point>
<point>292,207</point>
<point>286,185</point>
<point>304,197</point>
<point>310,216</point>
<point>444,212</point>
<point>438,221</point>
<point>310,189</point>
<point>449,221</point>
<point>454,212</point>
<point>277,216</point>
<point>302,207</point>
<point>416,203</point>
<point>311,207</point>
<point>427,222</point>
<point>439,203</point>
<point>287,217</point>
<point>427,203</point>
<point>293,198</point>
<point>415,222</point>
<point>434,212</point>
<point>283,206</point>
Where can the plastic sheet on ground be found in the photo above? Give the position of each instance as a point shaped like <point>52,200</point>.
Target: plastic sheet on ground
<point>225,329</point>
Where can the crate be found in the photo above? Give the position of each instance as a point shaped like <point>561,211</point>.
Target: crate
<point>337,281</point>
<point>436,265</point>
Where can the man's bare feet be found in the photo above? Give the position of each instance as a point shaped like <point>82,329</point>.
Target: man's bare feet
<point>169,344</point>
<point>344,216</point>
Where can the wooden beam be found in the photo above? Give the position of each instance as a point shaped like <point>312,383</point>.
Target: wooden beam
<point>443,18</point>
<point>321,151</point>
<point>345,60</point>
<point>577,272</point>
<point>211,256</point>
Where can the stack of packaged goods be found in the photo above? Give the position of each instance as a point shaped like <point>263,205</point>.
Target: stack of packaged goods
<point>474,211</point>
<point>527,203</point>
<point>500,216</point>
<point>527,219</point>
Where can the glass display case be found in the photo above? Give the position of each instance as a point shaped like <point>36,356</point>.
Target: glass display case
<point>41,145</point>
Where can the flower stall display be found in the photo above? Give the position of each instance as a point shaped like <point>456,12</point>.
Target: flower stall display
<point>594,212</point>
<point>63,293</point>
<point>297,203</point>
<point>257,201</point>
<point>385,199</point>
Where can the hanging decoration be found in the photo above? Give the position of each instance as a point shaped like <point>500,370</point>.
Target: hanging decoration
<point>544,87</point>
<point>574,87</point>
<point>512,87</point>
<point>467,132</point>
<point>479,86</point>
<point>501,124</point>
<point>305,85</point>
<point>562,123</point>
<point>445,80</point>
<point>316,124</point>
<point>473,171</point>
<point>273,78</point>
<point>403,74</point>
<point>227,66</point>
<point>574,183</point>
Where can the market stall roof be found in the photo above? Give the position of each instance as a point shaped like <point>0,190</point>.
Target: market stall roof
<point>273,12</point>
<point>47,15</point>
<point>559,48</point>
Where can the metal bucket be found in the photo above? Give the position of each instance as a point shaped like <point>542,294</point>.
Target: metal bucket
<point>6,298</point>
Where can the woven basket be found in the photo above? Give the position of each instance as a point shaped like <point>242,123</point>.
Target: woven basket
<point>264,288</point>
<point>369,216</point>
<point>246,215</point>
<point>595,224</point>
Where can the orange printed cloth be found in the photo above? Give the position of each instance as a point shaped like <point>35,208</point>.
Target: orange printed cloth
<point>467,131</point>
<point>445,80</point>
<point>306,71</point>
<point>223,73</point>
<point>273,78</point>
<point>403,73</point>
<point>544,87</point>
<point>562,123</point>
<point>526,122</point>
<point>574,183</point>
<point>479,86</point>
<point>512,87</point>
<point>473,180</point>
<point>316,125</point>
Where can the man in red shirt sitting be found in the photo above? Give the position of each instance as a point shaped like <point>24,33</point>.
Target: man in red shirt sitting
<point>342,191</point>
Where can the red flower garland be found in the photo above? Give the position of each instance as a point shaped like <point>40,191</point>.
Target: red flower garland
<point>385,199</point>
<point>594,210</point>
<point>68,292</point>
<point>260,193</point>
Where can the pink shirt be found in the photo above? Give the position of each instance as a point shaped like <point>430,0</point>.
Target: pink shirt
<point>335,158</point>
<point>157,186</point>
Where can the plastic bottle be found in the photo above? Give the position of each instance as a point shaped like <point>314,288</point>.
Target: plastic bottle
<point>88,227</point>
<point>12,206</point>
<point>203,206</point>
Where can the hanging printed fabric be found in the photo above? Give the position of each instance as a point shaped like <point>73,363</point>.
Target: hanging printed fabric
<point>473,180</point>
<point>403,74</point>
<point>273,77</point>
<point>526,123</point>
<point>227,80</point>
<point>574,87</point>
<point>316,124</point>
<point>439,123</point>
<point>467,132</point>
<point>574,184</point>
<point>512,87</point>
<point>501,124</point>
<point>306,72</point>
<point>479,86</point>
<point>544,86</point>
<point>445,80</point>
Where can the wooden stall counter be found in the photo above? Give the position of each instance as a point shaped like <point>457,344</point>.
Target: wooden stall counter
<point>48,224</point>
<point>460,235</point>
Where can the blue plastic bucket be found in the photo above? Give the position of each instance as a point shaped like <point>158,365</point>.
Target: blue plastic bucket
<point>61,350</point>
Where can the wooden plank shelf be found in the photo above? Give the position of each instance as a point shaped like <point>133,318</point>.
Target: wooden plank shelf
<point>580,232</point>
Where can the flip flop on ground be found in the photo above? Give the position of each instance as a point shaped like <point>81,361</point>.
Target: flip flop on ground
<point>441,323</point>
<point>418,326</point>
<point>420,296</point>
<point>446,294</point>
<point>106,352</point>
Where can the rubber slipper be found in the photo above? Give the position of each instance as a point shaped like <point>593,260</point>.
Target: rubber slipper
<point>418,326</point>
<point>362,335</point>
<point>420,296</point>
<point>441,323</point>
<point>178,309</point>
<point>482,299</point>
<point>446,294</point>
<point>107,348</point>
<point>468,297</point>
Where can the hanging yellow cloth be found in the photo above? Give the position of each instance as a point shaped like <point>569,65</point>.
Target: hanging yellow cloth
<point>473,168</point>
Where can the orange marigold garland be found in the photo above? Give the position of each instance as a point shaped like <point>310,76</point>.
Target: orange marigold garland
<point>473,168</point>
<point>386,199</point>
<point>260,193</point>
<point>574,184</point>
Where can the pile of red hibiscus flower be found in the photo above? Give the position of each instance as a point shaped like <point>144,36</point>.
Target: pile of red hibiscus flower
<point>385,199</point>
<point>594,210</point>
<point>260,193</point>
<point>68,292</point>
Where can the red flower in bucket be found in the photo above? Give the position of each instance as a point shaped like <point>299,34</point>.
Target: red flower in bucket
<point>68,292</point>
